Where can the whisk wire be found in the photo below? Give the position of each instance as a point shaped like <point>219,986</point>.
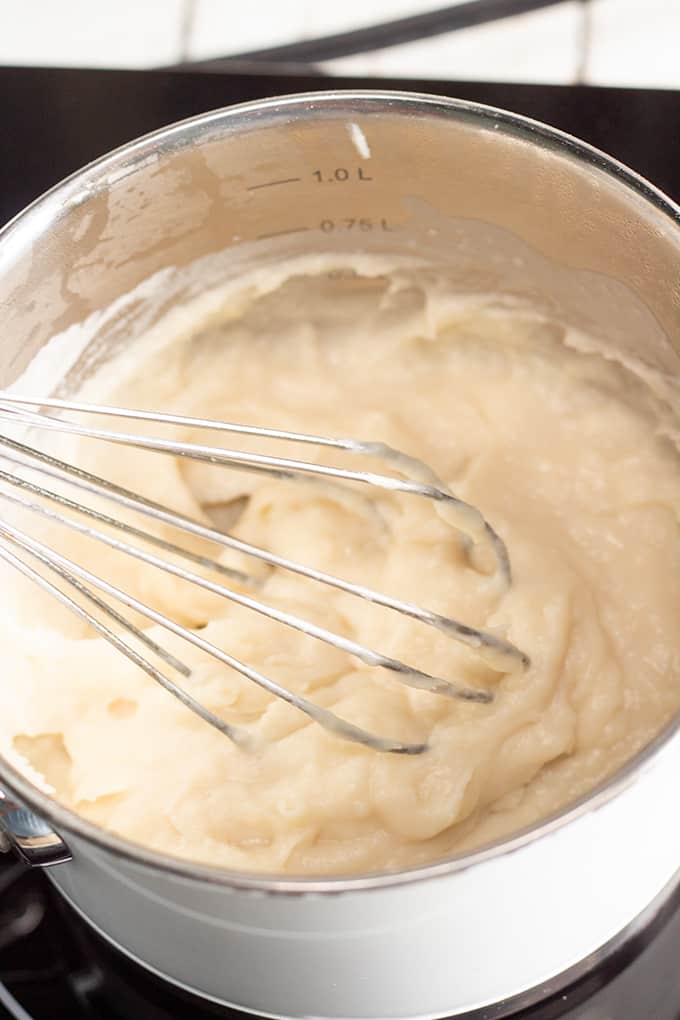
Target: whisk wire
<point>69,569</point>
<point>417,479</point>
<point>464,516</point>
<point>409,675</point>
<point>238,736</point>
<point>497,652</point>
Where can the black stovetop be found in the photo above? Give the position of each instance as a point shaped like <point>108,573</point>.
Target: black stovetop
<point>53,121</point>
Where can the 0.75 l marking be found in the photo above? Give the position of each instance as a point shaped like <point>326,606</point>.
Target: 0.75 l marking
<point>353,223</point>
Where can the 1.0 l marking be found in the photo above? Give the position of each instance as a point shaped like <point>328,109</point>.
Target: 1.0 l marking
<point>341,173</point>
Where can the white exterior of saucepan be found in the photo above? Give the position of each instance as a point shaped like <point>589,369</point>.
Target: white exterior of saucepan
<point>438,947</point>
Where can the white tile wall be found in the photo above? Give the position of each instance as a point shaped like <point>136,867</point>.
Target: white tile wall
<point>90,33</point>
<point>635,42</point>
<point>630,42</point>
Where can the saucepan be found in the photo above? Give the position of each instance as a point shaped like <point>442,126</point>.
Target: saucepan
<point>506,204</point>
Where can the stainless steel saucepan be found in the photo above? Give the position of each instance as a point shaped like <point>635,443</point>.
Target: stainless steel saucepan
<point>505,204</point>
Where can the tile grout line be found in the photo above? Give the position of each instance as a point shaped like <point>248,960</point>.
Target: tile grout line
<point>186,29</point>
<point>585,41</point>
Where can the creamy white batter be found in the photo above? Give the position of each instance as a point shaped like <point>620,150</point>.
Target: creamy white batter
<point>561,451</point>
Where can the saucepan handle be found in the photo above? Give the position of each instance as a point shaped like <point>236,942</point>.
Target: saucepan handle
<point>31,839</point>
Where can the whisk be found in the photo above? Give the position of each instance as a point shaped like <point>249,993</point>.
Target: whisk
<point>413,478</point>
